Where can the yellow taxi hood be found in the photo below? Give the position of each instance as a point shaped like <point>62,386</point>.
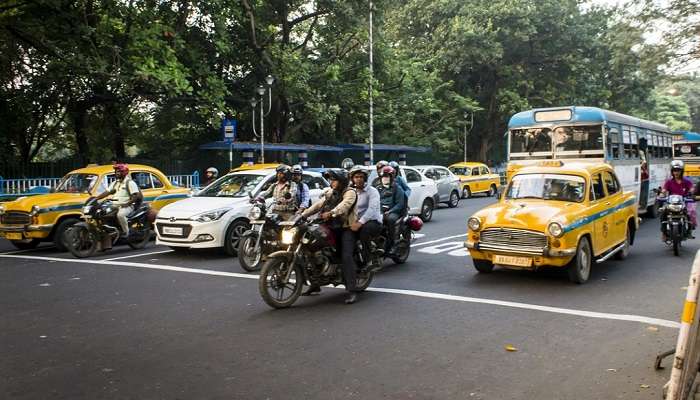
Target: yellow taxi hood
<point>529,214</point>
<point>44,201</point>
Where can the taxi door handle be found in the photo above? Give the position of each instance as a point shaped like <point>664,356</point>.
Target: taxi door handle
<point>165,191</point>
<point>607,203</point>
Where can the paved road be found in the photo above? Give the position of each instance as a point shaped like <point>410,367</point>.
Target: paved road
<point>157,325</point>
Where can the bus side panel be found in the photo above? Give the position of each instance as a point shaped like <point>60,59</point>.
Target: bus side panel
<point>628,174</point>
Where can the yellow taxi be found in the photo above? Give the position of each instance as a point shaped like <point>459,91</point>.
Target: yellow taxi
<point>475,178</point>
<point>32,219</point>
<point>555,214</point>
<point>249,167</point>
<point>692,171</point>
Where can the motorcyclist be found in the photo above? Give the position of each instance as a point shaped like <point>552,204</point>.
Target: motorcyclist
<point>210,175</point>
<point>284,193</point>
<point>125,195</point>
<point>400,180</point>
<point>369,214</point>
<point>678,185</point>
<point>393,203</point>
<point>337,207</point>
<point>303,197</point>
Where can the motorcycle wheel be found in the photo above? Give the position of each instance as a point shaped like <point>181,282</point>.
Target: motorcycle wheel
<point>140,239</point>
<point>403,249</point>
<point>272,288</point>
<point>81,242</point>
<point>363,280</point>
<point>676,238</point>
<point>248,256</point>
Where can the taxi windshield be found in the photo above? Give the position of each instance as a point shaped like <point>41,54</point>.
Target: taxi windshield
<point>461,170</point>
<point>237,185</point>
<point>76,183</point>
<point>547,187</point>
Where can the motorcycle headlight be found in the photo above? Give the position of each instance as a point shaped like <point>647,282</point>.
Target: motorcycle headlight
<point>210,215</point>
<point>35,211</point>
<point>288,235</point>
<point>675,207</point>
<point>86,209</point>
<point>555,229</point>
<point>474,224</point>
<point>255,213</point>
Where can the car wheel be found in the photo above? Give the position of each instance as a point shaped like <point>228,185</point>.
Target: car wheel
<point>492,191</point>
<point>25,244</point>
<point>466,192</point>
<point>622,254</point>
<point>454,200</point>
<point>233,236</point>
<point>483,266</point>
<point>59,236</point>
<point>426,210</point>
<point>580,267</point>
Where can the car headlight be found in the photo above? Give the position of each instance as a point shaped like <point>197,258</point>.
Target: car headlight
<point>675,207</point>
<point>35,211</point>
<point>288,235</point>
<point>210,215</point>
<point>2,209</point>
<point>555,229</point>
<point>255,213</point>
<point>474,223</point>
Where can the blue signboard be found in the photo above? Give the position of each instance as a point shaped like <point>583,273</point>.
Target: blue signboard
<point>229,128</point>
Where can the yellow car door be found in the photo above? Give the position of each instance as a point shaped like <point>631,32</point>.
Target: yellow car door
<point>600,214</point>
<point>614,191</point>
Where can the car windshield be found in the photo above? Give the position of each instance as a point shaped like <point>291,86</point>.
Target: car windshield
<point>236,185</point>
<point>461,170</point>
<point>547,187</point>
<point>77,183</point>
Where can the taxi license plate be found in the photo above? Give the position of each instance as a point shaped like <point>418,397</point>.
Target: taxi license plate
<point>13,236</point>
<point>170,230</point>
<point>512,260</point>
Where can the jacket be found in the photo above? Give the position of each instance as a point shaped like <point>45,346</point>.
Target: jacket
<point>345,209</point>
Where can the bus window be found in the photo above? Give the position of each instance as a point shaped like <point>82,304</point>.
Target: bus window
<point>614,141</point>
<point>578,138</point>
<point>530,140</point>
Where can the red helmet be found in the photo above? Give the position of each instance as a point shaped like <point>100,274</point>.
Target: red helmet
<point>415,223</point>
<point>123,168</point>
<point>387,171</point>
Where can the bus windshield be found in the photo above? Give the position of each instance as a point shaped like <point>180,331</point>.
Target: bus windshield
<point>558,139</point>
<point>686,150</point>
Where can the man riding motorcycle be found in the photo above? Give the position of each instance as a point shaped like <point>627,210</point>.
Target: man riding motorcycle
<point>303,197</point>
<point>393,203</point>
<point>369,214</point>
<point>337,207</point>
<point>125,195</point>
<point>284,193</point>
<point>210,175</point>
<point>678,185</point>
<point>400,179</point>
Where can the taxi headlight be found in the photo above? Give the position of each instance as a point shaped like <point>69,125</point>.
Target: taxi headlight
<point>2,209</point>
<point>35,211</point>
<point>474,223</point>
<point>255,213</point>
<point>288,235</point>
<point>555,229</point>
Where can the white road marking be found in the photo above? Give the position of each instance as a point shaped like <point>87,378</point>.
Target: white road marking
<point>414,293</point>
<point>417,236</point>
<point>438,240</point>
<point>441,248</point>
<point>138,255</point>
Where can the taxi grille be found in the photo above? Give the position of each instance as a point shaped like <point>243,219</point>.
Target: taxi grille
<point>513,240</point>
<point>15,218</point>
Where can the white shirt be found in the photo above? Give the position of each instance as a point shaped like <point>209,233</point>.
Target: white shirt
<point>123,190</point>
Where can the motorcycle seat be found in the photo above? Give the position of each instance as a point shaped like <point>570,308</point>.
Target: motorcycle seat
<point>138,210</point>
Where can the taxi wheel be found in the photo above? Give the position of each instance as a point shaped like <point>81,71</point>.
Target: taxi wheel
<point>483,266</point>
<point>466,193</point>
<point>25,244</point>
<point>233,236</point>
<point>622,254</point>
<point>492,191</point>
<point>59,236</point>
<point>580,267</point>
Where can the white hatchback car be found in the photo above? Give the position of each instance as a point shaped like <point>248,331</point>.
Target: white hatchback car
<point>218,215</point>
<point>424,192</point>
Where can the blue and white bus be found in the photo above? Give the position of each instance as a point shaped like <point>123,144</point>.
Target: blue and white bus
<point>639,150</point>
<point>686,147</point>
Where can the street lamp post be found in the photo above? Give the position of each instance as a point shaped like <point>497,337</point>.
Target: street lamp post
<point>468,120</point>
<point>269,80</point>
<point>371,77</point>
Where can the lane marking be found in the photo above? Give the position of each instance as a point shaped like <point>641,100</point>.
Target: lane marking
<point>137,255</point>
<point>414,293</point>
<point>438,240</point>
<point>442,247</point>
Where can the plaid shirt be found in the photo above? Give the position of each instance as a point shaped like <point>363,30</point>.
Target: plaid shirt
<point>277,192</point>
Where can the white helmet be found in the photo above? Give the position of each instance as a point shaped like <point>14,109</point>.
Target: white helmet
<point>213,170</point>
<point>677,164</point>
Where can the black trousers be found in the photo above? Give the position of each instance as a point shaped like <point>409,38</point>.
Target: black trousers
<point>390,221</point>
<point>347,249</point>
<point>369,230</point>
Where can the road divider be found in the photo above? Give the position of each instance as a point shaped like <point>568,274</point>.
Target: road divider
<point>413,293</point>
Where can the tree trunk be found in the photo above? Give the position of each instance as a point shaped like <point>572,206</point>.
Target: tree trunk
<point>118,136</point>
<point>77,111</point>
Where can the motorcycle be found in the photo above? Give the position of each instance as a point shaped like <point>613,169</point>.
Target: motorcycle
<point>677,225</point>
<point>100,229</point>
<point>378,250</point>
<point>312,258</point>
<point>260,239</point>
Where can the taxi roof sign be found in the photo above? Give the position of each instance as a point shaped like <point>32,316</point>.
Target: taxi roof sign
<point>551,163</point>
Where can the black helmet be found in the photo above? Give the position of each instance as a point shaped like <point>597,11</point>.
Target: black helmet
<point>381,164</point>
<point>394,165</point>
<point>358,169</point>
<point>339,175</point>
